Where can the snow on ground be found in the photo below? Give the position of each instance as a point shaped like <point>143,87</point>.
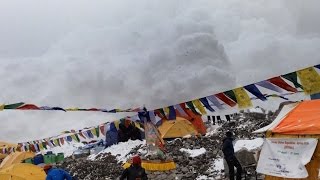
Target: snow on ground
<point>256,110</point>
<point>67,149</point>
<point>194,152</point>
<point>121,149</point>
<point>211,130</point>
<point>202,177</point>
<point>248,144</point>
<point>218,164</point>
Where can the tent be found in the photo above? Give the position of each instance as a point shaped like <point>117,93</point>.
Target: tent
<point>5,145</point>
<point>179,127</point>
<point>196,121</point>
<point>14,158</point>
<point>22,171</point>
<point>297,120</point>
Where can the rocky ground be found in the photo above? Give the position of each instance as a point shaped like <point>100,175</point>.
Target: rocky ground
<point>107,167</point>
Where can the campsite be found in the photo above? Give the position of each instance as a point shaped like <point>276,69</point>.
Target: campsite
<point>159,90</point>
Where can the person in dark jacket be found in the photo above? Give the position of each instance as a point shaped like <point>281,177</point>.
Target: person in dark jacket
<point>232,161</point>
<point>56,173</point>
<point>135,171</point>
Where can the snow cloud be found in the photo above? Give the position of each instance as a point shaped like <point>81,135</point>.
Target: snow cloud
<point>132,53</point>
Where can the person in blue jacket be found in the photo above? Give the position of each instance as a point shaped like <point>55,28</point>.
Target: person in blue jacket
<point>56,173</point>
<point>229,156</point>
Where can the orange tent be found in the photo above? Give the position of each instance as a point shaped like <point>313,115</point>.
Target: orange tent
<point>5,145</point>
<point>15,157</point>
<point>297,120</point>
<point>303,119</point>
<point>179,127</point>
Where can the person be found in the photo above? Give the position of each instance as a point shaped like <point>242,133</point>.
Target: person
<point>135,171</point>
<point>232,161</point>
<point>56,173</point>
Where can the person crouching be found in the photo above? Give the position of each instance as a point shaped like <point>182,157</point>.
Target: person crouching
<point>56,173</point>
<point>135,171</point>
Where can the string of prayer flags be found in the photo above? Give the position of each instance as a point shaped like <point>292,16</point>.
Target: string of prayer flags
<point>24,106</point>
<point>308,80</point>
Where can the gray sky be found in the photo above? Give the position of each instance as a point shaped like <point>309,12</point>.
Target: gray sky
<point>130,53</point>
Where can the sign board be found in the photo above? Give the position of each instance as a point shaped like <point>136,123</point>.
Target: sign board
<point>286,157</point>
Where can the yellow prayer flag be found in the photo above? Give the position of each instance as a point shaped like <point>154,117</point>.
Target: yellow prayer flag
<point>94,132</point>
<point>56,142</point>
<point>41,146</point>
<point>166,110</point>
<point>243,98</point>
<point>116,123</point>
<point>72,109</point>
<point>198,105</point>
<point>1,107</point>
<point>74,137</point>
<point>310,80</point>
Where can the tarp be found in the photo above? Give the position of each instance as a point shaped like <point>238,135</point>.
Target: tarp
<point>303,119</point>
<point>22,171</point>
<point>14,158</point>
<point>179,127</point>
<point>296,118</point>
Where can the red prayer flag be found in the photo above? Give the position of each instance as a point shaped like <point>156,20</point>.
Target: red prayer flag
<point>80,134</point>
<point>62,141</point>
<point>225,99</point>
<point>29,107</point>
<point>278,81</point>
<point>102,129</point>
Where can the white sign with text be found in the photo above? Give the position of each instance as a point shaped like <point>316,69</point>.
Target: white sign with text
<point>286,157</point>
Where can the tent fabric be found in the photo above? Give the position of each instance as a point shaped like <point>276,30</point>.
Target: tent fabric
<point>22,171</point>
<point>5,145</point>
<point>179,127</point>
<point>15,158</point>
<point>196,121</point>
<point>303,119</point>
<point>283,113</point>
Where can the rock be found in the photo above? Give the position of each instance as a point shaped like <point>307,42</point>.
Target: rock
<point>184,170</point>
<point>245,157</point>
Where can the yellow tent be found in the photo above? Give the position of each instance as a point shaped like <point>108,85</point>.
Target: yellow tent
<point>5,145</point>
<point>22,171</point>
<point>177,128</point>
<point>14,158</point>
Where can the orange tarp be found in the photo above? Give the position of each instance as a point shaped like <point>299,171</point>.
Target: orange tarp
<point>303,119</point>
